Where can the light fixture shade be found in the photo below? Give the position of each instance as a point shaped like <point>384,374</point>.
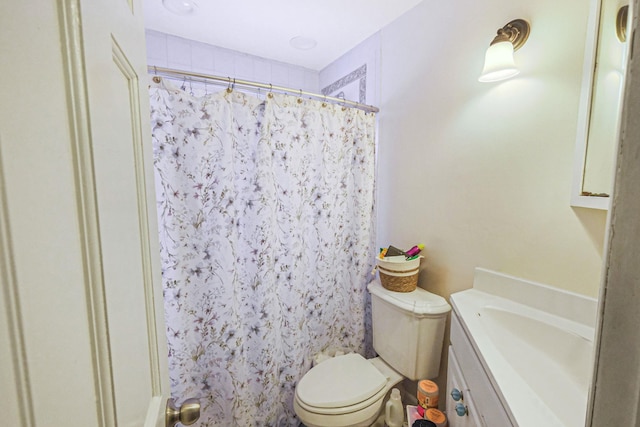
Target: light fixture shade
<point>180,7</point>
<point>499,63</point>
<point>303,43</point>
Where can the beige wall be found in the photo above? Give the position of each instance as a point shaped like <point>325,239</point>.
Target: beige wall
<point>481,173</point>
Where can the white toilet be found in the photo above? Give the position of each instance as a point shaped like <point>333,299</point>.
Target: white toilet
<point>349,390</point>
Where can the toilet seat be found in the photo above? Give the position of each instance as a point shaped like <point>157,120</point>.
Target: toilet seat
<point>342,384</point>
<point>344,409</point>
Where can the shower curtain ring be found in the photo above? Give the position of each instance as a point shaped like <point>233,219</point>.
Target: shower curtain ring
<point>300,97</point>
<point>270,94</point>
<point>229,89</point>
<point>156,78</point>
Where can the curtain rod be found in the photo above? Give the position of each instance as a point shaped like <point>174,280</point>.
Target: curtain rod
<point>170,72</point>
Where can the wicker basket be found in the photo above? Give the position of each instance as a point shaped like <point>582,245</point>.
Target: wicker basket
<point>398,275</point>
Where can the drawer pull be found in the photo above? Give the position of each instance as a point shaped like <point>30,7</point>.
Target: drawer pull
<point>461,410</point>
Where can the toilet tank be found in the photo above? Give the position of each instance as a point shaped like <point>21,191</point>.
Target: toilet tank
<point>408,329</point>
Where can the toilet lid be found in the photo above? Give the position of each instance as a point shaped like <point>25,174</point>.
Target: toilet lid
<point>340,381</point>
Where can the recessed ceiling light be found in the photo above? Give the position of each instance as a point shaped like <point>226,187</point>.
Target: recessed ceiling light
<point>180,7</point>
<point>303,43</point>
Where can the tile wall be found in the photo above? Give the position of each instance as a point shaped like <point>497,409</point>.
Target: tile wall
<point>355,74</point>
<point>165,50</point>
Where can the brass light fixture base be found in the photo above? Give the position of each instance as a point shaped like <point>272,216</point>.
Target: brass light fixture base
<point>516,32</point>
<point>621,23</point>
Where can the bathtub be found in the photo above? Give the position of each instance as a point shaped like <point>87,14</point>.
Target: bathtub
<point>535,343</point>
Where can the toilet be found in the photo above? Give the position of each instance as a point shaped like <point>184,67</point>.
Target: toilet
<point>349,390</point>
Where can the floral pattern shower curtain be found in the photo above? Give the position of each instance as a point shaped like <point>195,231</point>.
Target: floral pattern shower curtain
<point>266,225</point>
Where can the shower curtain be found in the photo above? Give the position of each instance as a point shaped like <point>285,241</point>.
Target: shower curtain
<point>266,218</point>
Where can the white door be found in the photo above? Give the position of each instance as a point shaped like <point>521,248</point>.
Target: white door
<point>81,327</point>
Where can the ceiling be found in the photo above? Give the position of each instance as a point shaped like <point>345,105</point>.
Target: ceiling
<point>264,28</point>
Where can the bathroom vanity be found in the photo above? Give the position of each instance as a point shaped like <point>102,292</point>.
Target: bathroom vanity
<point>472,399</point>
<point>520,354</point>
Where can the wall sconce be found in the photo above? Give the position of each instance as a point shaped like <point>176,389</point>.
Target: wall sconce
<point>498,61</point>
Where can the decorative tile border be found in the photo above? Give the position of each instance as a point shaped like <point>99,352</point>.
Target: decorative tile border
<point>359,74</point>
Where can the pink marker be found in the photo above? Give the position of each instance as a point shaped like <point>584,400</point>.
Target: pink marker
<point>415,250</point>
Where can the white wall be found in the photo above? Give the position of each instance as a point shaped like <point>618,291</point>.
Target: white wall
<point>481,173</point>
<point>165,50</point>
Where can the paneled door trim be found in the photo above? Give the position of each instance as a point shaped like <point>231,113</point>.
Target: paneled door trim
<point>130,75</point>
<point>13,314</point>
<point>81,145</point>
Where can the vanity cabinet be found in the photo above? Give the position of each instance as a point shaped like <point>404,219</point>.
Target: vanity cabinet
<point>463,401</point>
<point>479,404</point>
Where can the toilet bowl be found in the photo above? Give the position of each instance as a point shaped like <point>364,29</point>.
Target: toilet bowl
<point>349,390</point>
<point>345,391</point>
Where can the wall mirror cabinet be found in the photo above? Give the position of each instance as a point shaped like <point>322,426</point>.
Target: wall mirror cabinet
<point>601,102</point>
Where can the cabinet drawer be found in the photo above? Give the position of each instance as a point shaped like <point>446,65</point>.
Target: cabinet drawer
<point>486,401</point>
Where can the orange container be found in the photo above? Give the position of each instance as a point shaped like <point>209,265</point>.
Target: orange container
<point>435,416</point>
<point>428,394</point>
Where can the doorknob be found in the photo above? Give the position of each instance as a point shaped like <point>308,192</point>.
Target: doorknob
<point>187,414</point>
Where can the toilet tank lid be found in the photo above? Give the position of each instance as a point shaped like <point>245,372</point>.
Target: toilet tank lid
<point>419,301</point>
